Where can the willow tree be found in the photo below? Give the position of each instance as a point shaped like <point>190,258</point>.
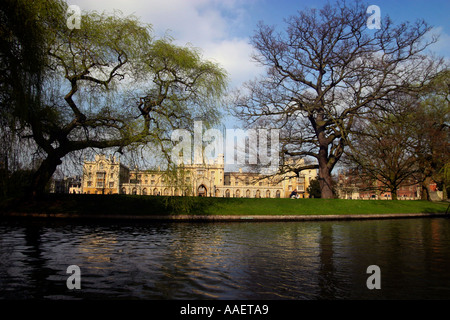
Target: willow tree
<point>110,84</point>
<point>326,70</point>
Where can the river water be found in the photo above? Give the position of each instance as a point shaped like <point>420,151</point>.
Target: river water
<point>240,260</point>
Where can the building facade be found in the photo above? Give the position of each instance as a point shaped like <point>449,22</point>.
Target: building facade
<point>66,185</point>
<point>351,185</point>
<point>106,175</point>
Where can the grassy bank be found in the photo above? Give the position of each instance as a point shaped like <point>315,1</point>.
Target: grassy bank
<point>152,205</point>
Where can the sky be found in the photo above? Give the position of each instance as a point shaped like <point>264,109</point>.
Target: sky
<point>222,28</point>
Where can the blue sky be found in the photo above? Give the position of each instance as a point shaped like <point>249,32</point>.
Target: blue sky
<point>222,28</point>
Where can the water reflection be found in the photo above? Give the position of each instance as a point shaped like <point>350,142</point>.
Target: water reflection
<point>295,260</point>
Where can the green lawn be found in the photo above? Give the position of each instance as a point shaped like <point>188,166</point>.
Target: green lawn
<point>153,205</point>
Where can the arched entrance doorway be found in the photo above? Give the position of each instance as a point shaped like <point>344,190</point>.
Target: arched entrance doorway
<point>202,191</point>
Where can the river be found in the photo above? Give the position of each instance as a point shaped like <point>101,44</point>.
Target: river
<point>239,260</point>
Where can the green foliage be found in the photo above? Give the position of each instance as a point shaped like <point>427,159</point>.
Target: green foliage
<point>314,189</point>
<point>180,179</point>
<point>15,184</point>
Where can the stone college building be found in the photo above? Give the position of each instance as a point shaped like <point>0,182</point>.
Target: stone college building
<point>106,175</point>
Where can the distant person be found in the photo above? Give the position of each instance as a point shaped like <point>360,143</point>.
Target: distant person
<point>294,194</point>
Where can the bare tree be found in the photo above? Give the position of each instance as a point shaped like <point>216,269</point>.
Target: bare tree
<point>326,70</point>
<point>406,140</point>
<point>383,151</point>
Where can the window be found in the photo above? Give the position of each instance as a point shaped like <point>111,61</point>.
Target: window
<point>100,179</point>
<point>152,182</point>
<point>111,184</point>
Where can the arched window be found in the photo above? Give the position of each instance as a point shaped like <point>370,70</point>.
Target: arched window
<point>144,191</point>
<point>247,193</point>
<point>227,193</point>
<point>134,191</point>
<point>268,194</point>
<point>238,193</point>
<point>257,194</point>
<point>155,192</point>
<point>278,194</point>
<point>124,190</point>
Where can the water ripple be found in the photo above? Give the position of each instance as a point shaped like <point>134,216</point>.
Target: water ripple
<point>304,260</point>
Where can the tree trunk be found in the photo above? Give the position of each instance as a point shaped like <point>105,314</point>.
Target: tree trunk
<point>394,194</point>
<point>43,174</point>
<point>425,193</point>
<point>326,183</point>
<point>444,191</point>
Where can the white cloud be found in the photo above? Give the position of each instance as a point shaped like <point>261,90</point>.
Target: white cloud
<point>235,56</point>
<point>442,46</point>
<point>205,24</point>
